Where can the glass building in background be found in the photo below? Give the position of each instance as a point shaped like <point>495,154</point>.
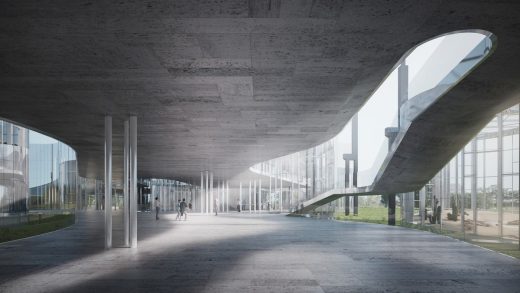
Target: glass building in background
<point>14,166</point>
<point>38,174</point>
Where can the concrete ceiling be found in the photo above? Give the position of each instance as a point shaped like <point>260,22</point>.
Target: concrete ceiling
<point>221,85</point>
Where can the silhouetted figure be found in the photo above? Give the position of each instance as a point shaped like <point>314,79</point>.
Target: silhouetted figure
<point>438,214</point>
<point>183,205</point>
<point>178,210</point>
<point>157,205</point>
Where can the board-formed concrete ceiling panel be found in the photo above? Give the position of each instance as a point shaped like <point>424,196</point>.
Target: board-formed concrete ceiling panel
<point>221,85</point>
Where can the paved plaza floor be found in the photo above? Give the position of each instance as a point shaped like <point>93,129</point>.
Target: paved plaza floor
<point>251,253</point>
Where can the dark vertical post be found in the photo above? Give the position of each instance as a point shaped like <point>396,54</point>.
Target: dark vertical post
<point>391,209</point>
<point>356,205</point>
<point>347,205</point>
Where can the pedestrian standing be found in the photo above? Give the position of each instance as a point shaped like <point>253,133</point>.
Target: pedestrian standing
<point>183,205</point>
<point>178,210</point>
<point>157,205</point>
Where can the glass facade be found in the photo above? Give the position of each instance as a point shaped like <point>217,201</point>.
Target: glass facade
<point>169,193</point>
<point>14,179</point>
<point>354,157</point>
<point>291,180</point>
<point>52,174</point>
<point>38,174</point>
<point>477,192</point>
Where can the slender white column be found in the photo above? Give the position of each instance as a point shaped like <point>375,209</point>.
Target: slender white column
<point>254,196</point>
<point>249,196</point>
<point>270,197</point>
<point>126,196</point>
<point>457,194</point>
<point>474,183</point>
<point>168,195</point>
<point>211,196</point>
<point>298,180</point>
<point>291,194</point>
<point>108,182</point>
<point>201,192</point>
<point>133,181</point>
<point>172,190</point>
<point>500,171</point>
<point>422,204</point>
<point>227,196</point>
<point>462,192</point>
<point>281,193</point>
<point>219,196</point>
<point>177,191</point>
<point>207,193</point>
<point>240,196</point>
<point>193,197</point>
<point>260,194</point>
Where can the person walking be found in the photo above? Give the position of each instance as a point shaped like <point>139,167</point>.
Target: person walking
<point>215,206</point>
<point>157,205</point>
<point>178,210</point>
<point>238,205</point>
<point>183,205</point>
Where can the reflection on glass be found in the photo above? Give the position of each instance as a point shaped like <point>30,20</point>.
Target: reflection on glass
<point>36,173</point>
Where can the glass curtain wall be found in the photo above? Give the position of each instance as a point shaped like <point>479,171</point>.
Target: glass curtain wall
<point>14,180</point>
<point>290,180</point>
<point>415,82</point>
<point>52,174</point>
<point>477,193</point>
<point>169,193</point>
<point>90,194</point>
<point>38,174</point>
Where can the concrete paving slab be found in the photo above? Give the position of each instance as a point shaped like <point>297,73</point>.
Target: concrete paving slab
<point>252,253</point>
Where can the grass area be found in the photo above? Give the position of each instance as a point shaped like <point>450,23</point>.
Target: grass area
<point>505,248</point>
<point>379,215</point>
<point>36,227</point>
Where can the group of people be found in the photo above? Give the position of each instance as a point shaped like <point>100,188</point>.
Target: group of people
<point>182,209</point>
